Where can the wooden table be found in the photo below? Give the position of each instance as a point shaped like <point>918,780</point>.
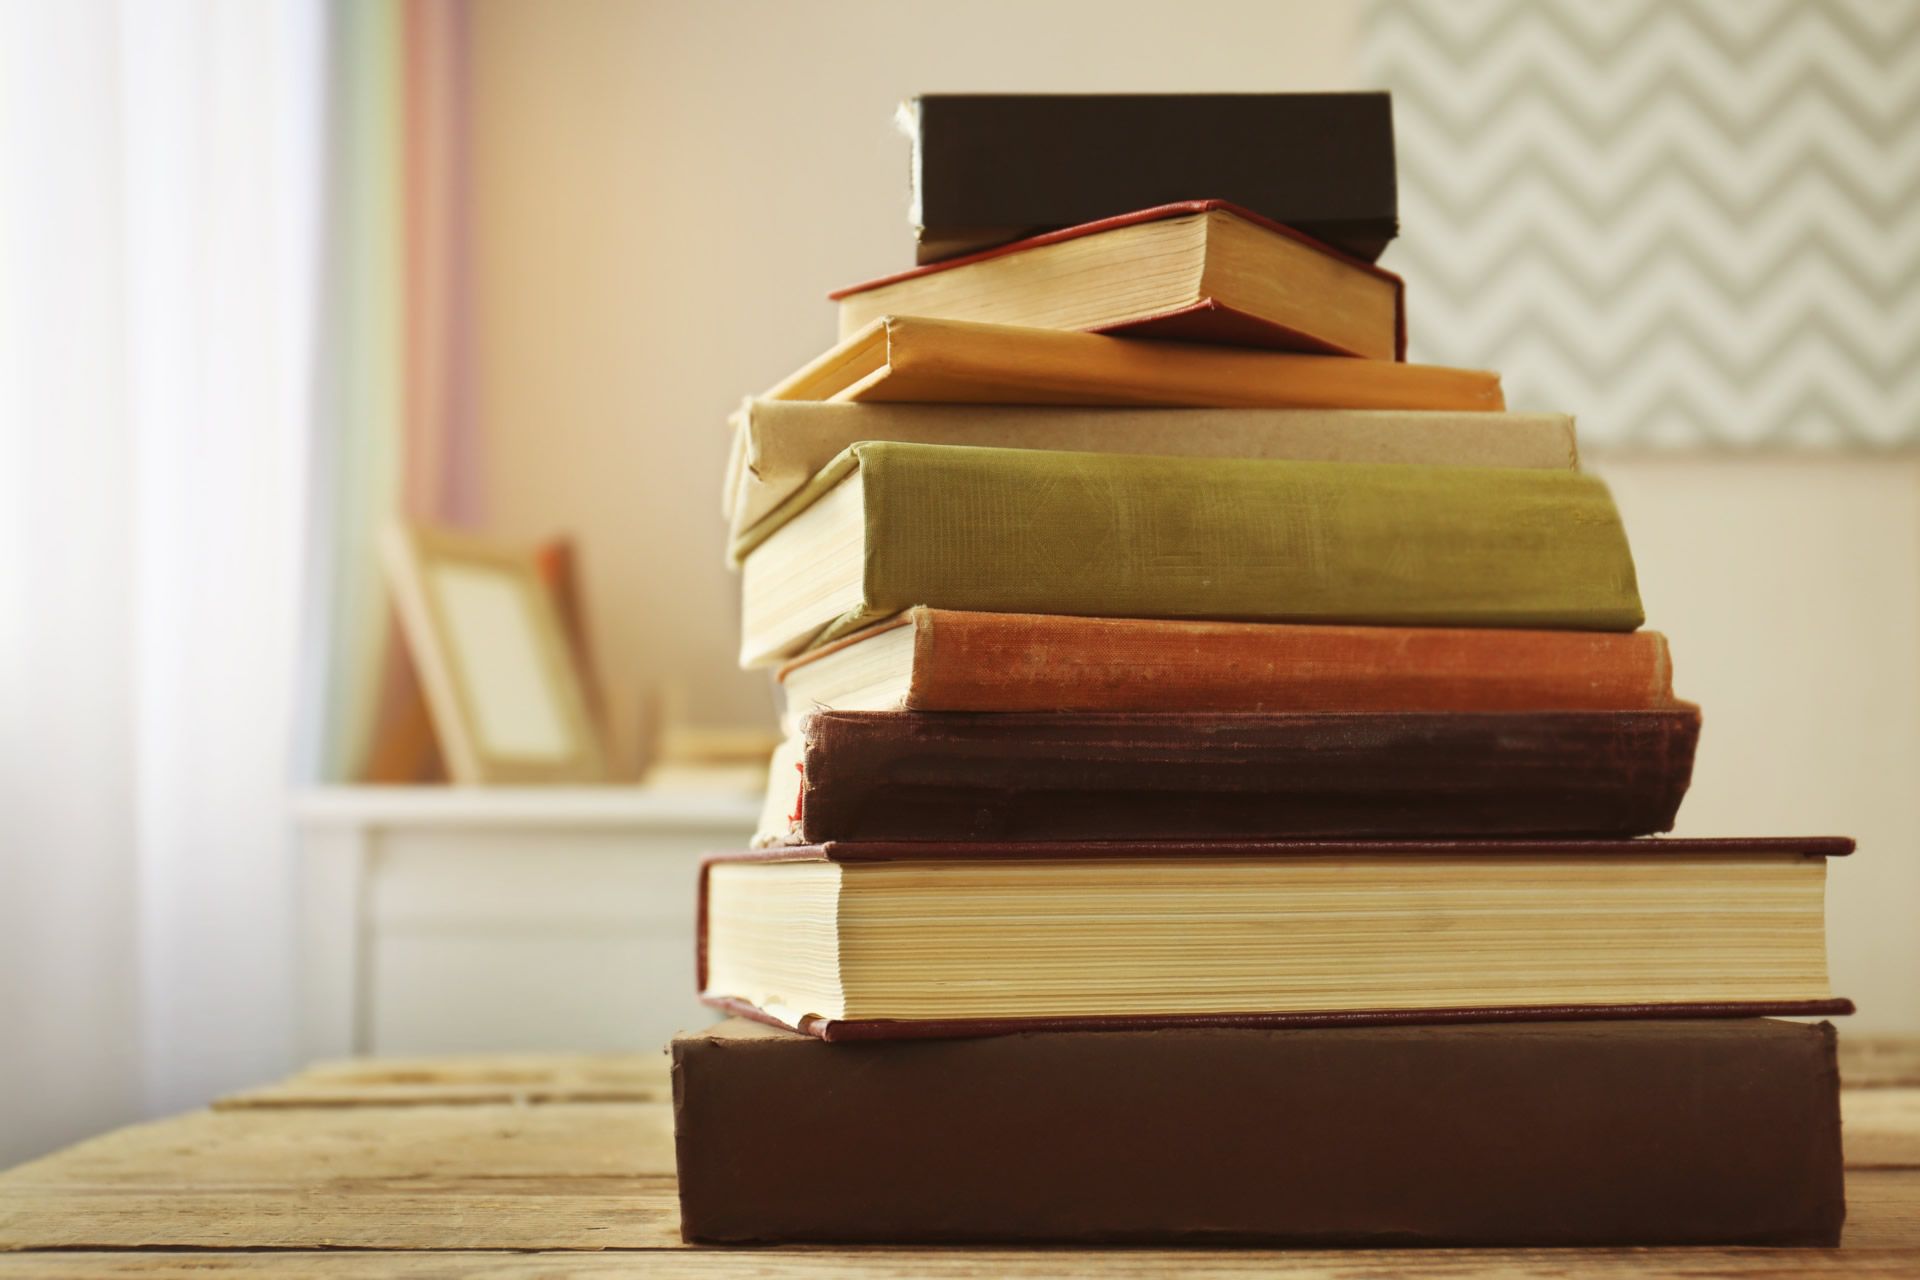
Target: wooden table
<point>548,1166</point>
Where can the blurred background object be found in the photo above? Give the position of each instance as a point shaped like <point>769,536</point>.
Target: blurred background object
<point>273,274</point>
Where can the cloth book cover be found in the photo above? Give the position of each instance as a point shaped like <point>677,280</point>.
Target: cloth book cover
<point>1109,535</point>
<point>1544,1135</point>
<point>901,775</point>
<point>778,445</point>
<point>988,168</point>
<point>943,660</point>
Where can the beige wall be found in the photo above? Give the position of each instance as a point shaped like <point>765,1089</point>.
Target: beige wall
<point>1790,588</point>
<point>665,192</point>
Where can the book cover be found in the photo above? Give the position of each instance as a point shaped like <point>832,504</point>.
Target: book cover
<point>989,168</point>
<point>960,661</point>
<point>1107,535</point>
<point>778,445</point>
<point>964,776</point>
<point>1546,1134</point>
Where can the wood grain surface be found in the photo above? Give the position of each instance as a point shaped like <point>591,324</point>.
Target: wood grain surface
<point>522,1166</point>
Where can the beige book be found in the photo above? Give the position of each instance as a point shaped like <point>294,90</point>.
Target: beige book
<point>894,933</point>
<point>778,445</point>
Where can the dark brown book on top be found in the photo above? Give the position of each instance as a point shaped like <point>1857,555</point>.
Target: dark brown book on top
<point>989,168</point>
<point>1554,1134</point>
<point>898,775</point>
<point>916,940</point>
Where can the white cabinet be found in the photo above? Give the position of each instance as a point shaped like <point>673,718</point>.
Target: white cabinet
<point>445,920</point>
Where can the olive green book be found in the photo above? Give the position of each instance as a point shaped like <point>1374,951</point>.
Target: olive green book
<point>886,526</point>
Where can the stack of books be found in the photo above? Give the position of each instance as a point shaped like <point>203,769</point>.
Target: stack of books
<point>1221,757</point>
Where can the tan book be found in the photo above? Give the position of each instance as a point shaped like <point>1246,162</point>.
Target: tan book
<point>927,361</point>
<point>778,445</point>
<point>1196,271</point>
<point>888,526</point>
<point>890,938</point>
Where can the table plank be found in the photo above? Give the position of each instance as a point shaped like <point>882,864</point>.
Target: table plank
<point>1881,1128</point>
<point>418,1168</point>
<point>290,1148</point>
<point>1879,1062</point>
<point>953,1264</point>
<point>467,1080</point>
<point>522,1213</point>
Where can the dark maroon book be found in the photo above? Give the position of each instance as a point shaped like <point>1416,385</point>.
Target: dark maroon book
<point>1546,1134</point>
<point>901,775</point>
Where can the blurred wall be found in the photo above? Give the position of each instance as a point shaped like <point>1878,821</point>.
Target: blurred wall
<point>664,195</point>
<point>665,192</point>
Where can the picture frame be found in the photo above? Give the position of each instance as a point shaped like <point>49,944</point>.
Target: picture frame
<point>506,697</point>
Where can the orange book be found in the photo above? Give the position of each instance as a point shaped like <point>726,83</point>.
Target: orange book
<point>941,660</point>
<point>916,359</point>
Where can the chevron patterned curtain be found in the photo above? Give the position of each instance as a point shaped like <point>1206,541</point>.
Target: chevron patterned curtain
<point>1690,222</point>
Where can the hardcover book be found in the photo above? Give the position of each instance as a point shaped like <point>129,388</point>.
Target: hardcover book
<point>918,359</point>
<point>1196,271</point>
<point>964,776</point>
<point>1549,1134</point>
<point>989,168</point>
<point>912,939</point>
<point>778,445</point>
<point>889,526</point>
<point>941,660</point>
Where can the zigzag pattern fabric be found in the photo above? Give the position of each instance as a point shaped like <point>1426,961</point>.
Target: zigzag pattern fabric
<point>1697,222</point>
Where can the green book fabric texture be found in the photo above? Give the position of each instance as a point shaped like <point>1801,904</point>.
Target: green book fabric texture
<point>1029,531</point>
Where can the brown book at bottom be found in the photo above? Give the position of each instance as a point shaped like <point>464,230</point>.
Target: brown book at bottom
<point>1548,1134</point>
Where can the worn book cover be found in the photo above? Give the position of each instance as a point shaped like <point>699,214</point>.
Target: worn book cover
<point>943,660</point>
<point>778,445</point>
<point>903,775</point>
<point>1107,535</point>
<point>1547,1135</point>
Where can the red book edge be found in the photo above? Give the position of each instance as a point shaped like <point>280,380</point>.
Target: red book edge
<point>872,1029</point>
<point>888,850</point>
<point>1179,209</point>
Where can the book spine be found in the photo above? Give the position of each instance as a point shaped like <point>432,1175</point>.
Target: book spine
<point>1106,535</point>
<point>1033,662</point>
<point>1048,776</point>
<point>1547,1135</point>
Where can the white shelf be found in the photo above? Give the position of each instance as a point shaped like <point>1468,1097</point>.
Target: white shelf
<point>685,808</point>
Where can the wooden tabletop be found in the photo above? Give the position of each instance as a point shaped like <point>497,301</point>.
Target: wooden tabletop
<point>521,1166</point>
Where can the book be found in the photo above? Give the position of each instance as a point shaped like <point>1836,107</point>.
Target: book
<point>1196,271</point>
<point>887,526</point>
<point>1547,1134</point>
<point>918,939</point>
<point>942,660</point>
<point>1090,775</point>
<point>919,359</point>
<point>778,445</point>
<point>989,168</point>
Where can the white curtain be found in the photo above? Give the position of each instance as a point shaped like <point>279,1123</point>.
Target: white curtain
<point>159,191</point>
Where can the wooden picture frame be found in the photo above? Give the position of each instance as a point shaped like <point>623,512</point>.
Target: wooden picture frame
<point>507,701</point>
